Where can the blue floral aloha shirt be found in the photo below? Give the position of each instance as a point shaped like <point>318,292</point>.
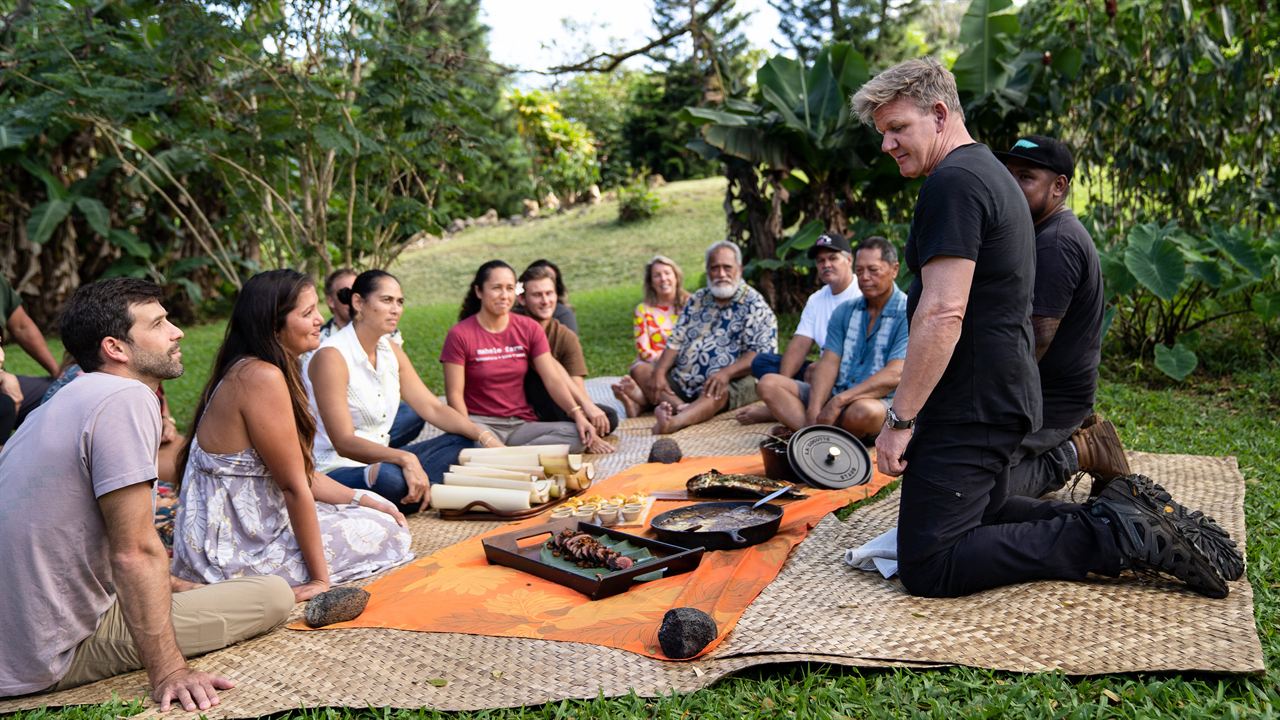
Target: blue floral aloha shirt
<point>709,336</point>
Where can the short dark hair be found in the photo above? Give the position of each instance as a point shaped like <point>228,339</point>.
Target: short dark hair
<point>333,278</point>
<point>101,310</point>
<point>888,252</point>
<point>562,295</point>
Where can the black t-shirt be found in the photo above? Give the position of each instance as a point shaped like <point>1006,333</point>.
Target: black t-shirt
<point>1068,287</point>
<point>970,207</point>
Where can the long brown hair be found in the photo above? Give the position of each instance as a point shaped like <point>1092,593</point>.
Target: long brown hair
<point>260,311</point>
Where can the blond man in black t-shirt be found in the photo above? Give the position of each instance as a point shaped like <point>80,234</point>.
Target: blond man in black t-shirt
<point>970,388</point>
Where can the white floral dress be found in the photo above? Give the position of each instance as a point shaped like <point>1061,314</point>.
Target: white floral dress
<point>232,522</point>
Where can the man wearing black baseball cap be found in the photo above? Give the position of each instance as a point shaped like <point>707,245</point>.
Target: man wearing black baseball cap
<point>1066,317</point>
<point>833,259</point>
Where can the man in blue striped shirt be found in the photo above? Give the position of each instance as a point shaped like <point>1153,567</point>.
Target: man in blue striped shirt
<point>853,382</point>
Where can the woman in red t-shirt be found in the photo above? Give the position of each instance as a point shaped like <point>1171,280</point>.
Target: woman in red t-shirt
<point>486,357</point>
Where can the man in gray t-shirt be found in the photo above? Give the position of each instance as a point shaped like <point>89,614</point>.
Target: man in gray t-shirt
<point>85,591</point>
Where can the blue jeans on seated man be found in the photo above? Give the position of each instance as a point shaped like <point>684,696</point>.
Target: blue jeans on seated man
<point>406,427</point>
<point>771,363</point>
<point>436,455</point>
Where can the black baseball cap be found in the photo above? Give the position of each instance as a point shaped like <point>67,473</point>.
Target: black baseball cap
<point>830,241</point>
<point>1043,151</point>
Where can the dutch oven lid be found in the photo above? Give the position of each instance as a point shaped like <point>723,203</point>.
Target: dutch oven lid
<point>828,457</point>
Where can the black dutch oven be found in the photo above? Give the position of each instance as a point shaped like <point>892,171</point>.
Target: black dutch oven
<point>821,456</point>
<point>699,523</point>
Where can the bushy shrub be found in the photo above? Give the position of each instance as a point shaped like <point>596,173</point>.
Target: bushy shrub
<point>637,202</point>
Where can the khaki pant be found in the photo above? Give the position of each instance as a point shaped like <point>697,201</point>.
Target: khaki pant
<point>204,619</point>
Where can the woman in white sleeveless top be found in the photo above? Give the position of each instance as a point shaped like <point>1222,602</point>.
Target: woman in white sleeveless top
<point>358,379</point>
<point>251,503</point>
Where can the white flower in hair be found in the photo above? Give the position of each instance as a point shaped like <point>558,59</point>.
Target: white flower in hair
<point>519,288</point>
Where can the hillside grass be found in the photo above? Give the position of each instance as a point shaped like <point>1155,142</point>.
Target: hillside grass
<point>1223,415</point>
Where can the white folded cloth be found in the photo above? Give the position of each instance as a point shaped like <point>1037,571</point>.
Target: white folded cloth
<point>879,554</point>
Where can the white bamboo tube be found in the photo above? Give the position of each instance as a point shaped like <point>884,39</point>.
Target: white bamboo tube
<point>456,497</point>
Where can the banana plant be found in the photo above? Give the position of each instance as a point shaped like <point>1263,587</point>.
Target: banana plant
<point>796,156</point>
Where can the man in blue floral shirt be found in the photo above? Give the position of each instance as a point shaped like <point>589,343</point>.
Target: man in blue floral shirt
<point>706,367</point>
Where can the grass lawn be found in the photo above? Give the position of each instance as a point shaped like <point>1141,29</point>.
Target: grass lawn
<point>1233,415</point>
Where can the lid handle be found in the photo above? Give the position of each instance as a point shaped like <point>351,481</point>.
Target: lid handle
<point>833,452</point>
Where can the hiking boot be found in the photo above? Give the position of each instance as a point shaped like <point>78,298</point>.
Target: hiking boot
<point>1204,532</point>
<point>1152,537</point>
<point>1099,453</point>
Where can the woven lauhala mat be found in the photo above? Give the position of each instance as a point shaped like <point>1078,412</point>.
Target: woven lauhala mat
<point>832,613</point>
<point>457,590</point>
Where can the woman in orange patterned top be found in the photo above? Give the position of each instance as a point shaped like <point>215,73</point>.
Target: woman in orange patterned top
<point>664,297</point>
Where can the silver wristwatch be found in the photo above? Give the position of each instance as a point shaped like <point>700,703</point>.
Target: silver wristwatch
<point>897,423</point>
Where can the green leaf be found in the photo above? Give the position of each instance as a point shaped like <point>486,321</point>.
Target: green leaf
<point>11,136</point>
<point>1155,261</point>
<point>802,240</point>
<point>1068,62</point>
<point>132,244</point>
<point>45,218</point>
<point>437,682</point>
<point>697,115</point>
<point>331,139</point>
<point>1177,362</point>
<point>1235,245</point>
<point>1266,305</point>
<point>97,215</point>
<point>985,65</point>
<point>53,187</point>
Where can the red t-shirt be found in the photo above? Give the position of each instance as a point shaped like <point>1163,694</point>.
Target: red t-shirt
<point>495,364</point>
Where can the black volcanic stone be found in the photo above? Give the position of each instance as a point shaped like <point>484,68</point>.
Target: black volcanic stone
<point>337,605</point>
<point>665,450</point>
<point>685,631</point>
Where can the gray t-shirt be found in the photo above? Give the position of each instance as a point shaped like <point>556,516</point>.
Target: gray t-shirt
<point>99,434</point>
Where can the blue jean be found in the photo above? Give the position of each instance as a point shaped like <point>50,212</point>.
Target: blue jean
<point>436,455</point>
<point>766,363</point>
<point>406,427</point>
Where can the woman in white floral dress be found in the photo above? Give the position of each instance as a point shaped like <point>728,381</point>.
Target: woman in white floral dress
<point>250,501</point>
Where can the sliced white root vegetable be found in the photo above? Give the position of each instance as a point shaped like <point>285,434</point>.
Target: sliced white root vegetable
<point>456,497</point>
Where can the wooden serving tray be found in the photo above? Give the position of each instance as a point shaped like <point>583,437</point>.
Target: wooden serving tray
<point>481,510</point>
<point>509,550</point>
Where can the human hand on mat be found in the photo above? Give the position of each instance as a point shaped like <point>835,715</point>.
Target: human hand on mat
<point>192,689</point>
<point>890,447</point>
<point>306,591</point>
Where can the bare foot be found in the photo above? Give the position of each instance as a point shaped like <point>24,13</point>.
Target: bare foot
<point>629,405</point>
<point>663,415</point>
<point>752,414</point>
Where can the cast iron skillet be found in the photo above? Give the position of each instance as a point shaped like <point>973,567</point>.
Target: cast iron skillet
<point>729,539</point>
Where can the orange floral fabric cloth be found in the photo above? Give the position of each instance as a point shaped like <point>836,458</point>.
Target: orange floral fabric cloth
<point>456,590</point>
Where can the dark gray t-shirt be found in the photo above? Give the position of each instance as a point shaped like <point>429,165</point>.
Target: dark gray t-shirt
<point>98,434</point>
<point>970,207</point>
<point>1068,287</point>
